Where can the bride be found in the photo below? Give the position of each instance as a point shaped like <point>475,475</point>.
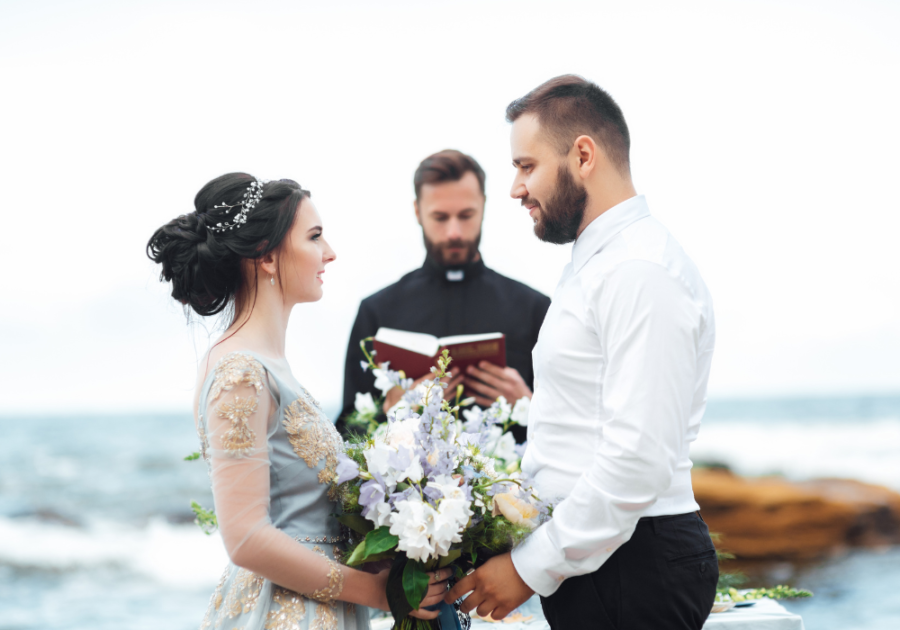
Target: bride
<point>254,249</point>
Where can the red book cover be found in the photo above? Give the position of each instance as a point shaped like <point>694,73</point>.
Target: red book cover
<point>416,353</point>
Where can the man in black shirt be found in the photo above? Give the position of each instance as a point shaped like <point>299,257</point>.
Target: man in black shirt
<point>453,293</point>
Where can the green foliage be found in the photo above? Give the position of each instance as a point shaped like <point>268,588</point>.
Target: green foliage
<point>357,523</point>
<point>206,519</point>
<point>192,456</point>
<point>350,499</point>
<point>396,595</point>
<point>378,544</point>
<point>415,582</point>
<point>726,588</point>
<point>730,580</point>
<point>380,540</point>
<point>779,592</point>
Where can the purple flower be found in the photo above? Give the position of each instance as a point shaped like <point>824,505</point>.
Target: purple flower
<point>371,493</point>
<point>347,469</point>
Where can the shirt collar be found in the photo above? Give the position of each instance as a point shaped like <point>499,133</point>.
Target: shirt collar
<point>456,274</point>
<point>604,228</point>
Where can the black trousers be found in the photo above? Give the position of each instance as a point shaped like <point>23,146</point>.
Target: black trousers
<point>664,577</point>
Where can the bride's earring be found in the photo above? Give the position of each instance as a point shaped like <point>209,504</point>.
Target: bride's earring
<point>272,280</point>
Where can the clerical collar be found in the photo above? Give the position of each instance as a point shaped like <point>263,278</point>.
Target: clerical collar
<point>459,273</point>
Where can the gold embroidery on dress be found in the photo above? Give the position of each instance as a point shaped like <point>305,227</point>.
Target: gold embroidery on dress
<point>244,593</point>
<point>291,612</point>
<point>326,618</point>
<point>312,436</point>
<point>349,608</point>
<point>234,369</point>
<point>238,440</point>
<point>215,601</point>
<point>204,440</point>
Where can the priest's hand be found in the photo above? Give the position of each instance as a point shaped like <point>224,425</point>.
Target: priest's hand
<point>449,381</point>
<point>496,589</point>
<point>490,381</point>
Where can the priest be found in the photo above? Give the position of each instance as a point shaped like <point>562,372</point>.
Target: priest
<point>453,292</point>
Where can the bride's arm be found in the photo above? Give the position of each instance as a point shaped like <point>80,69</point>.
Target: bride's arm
<point>238,416</point>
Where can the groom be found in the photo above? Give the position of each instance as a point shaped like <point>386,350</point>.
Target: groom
<point>621,366</point>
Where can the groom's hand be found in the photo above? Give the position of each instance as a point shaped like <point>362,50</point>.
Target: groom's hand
<point>490,381</point>
<point>496,589</point>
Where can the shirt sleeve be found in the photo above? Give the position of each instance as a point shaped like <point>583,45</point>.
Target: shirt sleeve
<point>355,379</point>
<point>648,326</point>
<point>240,415</point>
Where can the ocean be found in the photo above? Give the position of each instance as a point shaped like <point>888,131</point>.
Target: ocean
<point>96,530</point>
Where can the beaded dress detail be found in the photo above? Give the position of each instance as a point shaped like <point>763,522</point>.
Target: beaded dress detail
<point>271,453</point>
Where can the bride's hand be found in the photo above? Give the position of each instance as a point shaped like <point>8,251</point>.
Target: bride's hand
<point>437,589</point>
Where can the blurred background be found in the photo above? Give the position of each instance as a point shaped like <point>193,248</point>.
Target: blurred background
<point>764,135</point>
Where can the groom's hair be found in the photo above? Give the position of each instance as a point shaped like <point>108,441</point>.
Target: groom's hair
<point>448,165</point>
<point>569,106</point>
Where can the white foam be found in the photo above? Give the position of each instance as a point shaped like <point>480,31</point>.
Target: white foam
<point>864,450</point>
<point>179,555</point>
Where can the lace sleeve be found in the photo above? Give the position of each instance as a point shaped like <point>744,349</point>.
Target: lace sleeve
<point>237,422</point>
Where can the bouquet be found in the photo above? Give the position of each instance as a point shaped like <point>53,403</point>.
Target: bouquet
<point>427,490</point>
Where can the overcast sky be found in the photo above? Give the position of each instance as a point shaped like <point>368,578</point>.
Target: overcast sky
<point>765,135</point>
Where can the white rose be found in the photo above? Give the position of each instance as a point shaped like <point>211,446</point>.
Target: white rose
<point>517,510</point>
<point>380,514</point>
<point>402,432</point>
<point>520,411</point>
<point>505,448</point>
<point>382,381</point>
<point>364,404</point>
<point>413,523</point>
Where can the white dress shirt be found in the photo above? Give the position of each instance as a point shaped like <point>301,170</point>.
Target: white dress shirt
<point>621,366</point>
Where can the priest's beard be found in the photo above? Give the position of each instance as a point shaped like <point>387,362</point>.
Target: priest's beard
<point>558,220</point>
<point>439,254</point>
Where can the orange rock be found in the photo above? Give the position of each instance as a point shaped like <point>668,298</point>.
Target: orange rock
<point>770,517</point>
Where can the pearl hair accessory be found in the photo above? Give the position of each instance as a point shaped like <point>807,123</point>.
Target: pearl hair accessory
<point>251,197</point>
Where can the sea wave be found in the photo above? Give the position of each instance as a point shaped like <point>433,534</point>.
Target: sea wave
<point>173,555</point>
<point>863,450</point>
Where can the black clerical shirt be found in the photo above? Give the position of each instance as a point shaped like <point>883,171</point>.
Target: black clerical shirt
<point>443,301</point>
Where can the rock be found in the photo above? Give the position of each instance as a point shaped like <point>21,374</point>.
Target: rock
<point>772,518</point>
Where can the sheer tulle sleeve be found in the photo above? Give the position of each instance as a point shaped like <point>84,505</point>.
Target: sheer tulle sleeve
<point>237,422</point>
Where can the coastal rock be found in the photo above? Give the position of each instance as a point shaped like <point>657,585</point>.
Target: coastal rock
<point>773,518</point>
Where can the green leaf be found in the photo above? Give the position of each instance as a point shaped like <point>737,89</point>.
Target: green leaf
<point>192,456</point>
<point>415,583</point>
<point>396,596</point>
<point>380,540</point>
<point>357,523</point>
<point>451,557</point>
<point>206,519</point>
<point>357,556</point>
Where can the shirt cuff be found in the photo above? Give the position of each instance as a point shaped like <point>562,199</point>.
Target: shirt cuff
<point>531,559</point>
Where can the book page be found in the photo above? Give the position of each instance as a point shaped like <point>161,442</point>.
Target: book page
<point>456,339</point>
<point>420,343</point>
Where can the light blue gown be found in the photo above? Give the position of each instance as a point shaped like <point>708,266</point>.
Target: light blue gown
<point>299,446</point>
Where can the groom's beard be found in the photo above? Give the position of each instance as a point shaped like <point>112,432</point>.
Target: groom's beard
<point>558,220</point>
<point>439,252</point>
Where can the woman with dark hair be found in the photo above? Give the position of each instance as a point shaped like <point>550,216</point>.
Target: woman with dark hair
<point>255,249</point>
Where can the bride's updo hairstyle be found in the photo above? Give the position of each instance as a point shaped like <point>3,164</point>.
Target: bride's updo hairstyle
<point>204,262</point>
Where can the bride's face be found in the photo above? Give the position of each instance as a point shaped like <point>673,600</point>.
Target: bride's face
<point>304,256</point>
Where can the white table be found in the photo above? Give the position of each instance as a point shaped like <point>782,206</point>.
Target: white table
<point>765,614</point>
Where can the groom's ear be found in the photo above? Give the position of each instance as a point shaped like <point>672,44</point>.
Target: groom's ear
<point>418,212</point>
<point>586,155</point>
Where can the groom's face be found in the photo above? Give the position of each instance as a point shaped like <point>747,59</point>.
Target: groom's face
<point>545,185</point>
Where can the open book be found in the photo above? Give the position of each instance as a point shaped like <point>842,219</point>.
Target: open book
<point>416,353</point>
